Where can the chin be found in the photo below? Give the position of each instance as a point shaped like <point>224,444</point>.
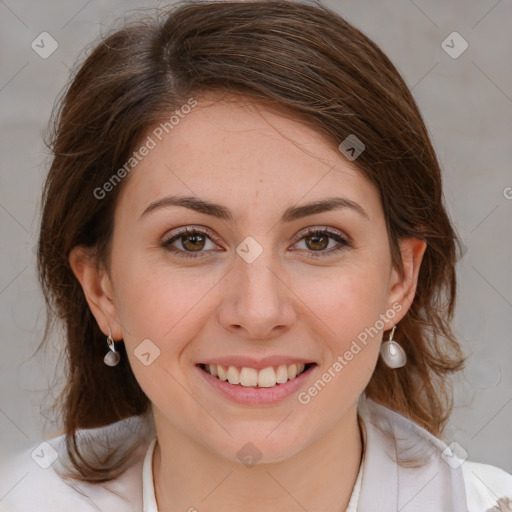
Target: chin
<point>258,448</point>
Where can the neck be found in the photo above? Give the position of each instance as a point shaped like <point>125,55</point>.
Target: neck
<point>189,477</point>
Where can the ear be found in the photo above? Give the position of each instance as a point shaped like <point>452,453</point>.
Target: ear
<point>402,285</point>
<point>97,289</point>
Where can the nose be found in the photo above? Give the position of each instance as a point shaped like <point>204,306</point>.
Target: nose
<point>257,300</point>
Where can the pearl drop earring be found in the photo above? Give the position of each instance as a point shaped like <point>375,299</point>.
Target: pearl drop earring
<point>392,353</point>
<point>112,357</point>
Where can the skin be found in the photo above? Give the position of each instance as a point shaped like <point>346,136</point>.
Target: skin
<point>257,163</point>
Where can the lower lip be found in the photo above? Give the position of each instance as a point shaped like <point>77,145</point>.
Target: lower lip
<point>257,396</point>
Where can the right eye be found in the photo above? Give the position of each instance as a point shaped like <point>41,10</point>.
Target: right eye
<point>193,242</point>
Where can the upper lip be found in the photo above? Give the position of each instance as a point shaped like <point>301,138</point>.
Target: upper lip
<point>258,364</point>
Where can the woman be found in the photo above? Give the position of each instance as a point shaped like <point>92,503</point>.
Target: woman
<point>244,234</point>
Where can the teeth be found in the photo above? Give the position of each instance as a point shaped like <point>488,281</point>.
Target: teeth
<point>267,377</point>
<point>251,377</point>
<point>292,371</point>
<point>282,374</point>
<point>233,375</point>
<point>223,375</point>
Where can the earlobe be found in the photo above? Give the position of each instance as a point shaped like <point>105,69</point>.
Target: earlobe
<point>97,289</point>
<point>403,285</point>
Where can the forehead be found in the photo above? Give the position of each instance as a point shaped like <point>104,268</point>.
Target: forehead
<point>232,149</point>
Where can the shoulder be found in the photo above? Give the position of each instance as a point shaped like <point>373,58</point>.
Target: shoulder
<point>486,488</point>
<point>32,482</point>
<point>486,485</point>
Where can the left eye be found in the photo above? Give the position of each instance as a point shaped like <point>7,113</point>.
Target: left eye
<point>318,240</point>
<point>193,241</point>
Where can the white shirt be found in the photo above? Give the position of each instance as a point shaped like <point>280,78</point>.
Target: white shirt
<point>27,487</point>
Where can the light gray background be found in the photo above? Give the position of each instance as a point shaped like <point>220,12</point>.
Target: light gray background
<point>467,106</point>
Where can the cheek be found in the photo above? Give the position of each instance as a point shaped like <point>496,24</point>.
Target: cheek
<point>158,301</point>
<point>349,312</point>
<point>347,300</point>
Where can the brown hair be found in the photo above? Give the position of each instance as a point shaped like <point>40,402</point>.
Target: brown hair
<point>303,58</point>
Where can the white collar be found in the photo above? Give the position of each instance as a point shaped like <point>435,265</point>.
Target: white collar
<point>148,487</point>
<point>429,484</point>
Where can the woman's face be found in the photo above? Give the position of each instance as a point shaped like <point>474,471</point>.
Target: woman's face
<point>251,288</point>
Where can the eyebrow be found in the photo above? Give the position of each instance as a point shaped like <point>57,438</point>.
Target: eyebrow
<point>290,214</point>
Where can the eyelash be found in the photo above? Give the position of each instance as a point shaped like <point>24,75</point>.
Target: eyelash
<point>309,232</point>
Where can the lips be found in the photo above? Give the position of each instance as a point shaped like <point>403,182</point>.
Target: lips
<point>248,376</point>
<point>255,396</point>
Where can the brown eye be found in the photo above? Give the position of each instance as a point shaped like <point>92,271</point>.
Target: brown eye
<point>317,242</point>
<point>194,242</point>
<point>189,243</point>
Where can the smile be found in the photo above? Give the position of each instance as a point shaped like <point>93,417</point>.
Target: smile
<point>252,377</point>
<point>250,386</point>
